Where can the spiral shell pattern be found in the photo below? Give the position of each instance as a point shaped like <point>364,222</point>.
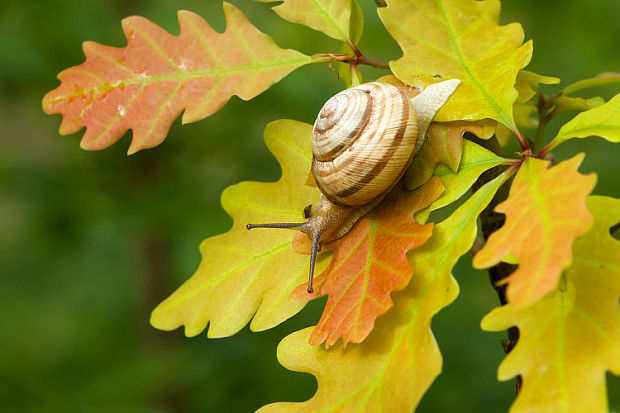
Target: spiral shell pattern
<point>362,143</point>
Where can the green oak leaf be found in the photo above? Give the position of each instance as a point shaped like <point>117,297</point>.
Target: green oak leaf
<point>602,79</point>
<point>474,161</point>
<point>245,274</point>
<point>603,121</point>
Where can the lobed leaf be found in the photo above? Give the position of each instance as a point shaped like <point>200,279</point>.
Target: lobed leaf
<point>474,162</point>
<point>545,211</point>
<point>569,338</point>
<point>459,39</point>
<point>369,263</point>
<point>602,121</point>
<point>444,145</point>
<point>147,84</point>
<point>392,369</point>
<point>250,273</point>
<point>332,17</point>
<point>528,84</point>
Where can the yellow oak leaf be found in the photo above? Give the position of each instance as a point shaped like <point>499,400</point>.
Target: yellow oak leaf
<point>545,211</point>
<point>459,39</point>
<point>398,361</point>
<point>147,84</point>
<point>571,337</point>
<point>245,274</point>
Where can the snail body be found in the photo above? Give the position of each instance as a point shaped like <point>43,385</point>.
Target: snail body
<point>363,141</point>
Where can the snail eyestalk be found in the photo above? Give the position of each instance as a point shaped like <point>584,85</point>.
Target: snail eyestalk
<point>303,227</point>
<point>292,225</point>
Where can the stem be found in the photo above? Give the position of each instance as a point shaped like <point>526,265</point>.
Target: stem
<point>355,75</point>
<point>545,149</point>
<point>521,139</point>
<point>355,49</point>
<point>353,59</point>
<point>370,62</point>
<point>542,120</point>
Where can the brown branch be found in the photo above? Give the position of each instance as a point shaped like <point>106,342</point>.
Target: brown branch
<point>491,221</point>
<point>357,59</point>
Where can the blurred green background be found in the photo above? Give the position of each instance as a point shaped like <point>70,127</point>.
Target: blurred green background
<point>90,242</point>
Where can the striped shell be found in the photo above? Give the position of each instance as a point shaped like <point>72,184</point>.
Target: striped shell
<point>363,140</point>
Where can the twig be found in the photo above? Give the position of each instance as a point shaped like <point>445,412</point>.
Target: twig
<point>350,59</point>
<point>491,221</point>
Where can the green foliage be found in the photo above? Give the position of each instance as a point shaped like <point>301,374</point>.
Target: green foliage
<point>106,197</point>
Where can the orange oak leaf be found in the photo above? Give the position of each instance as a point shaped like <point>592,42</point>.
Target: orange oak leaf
<point>545,211</point>
<point>147,84</point>
<point>368,264</point>
<point>444,144</point>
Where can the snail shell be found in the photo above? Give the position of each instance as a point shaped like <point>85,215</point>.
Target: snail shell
<point>363,140</point>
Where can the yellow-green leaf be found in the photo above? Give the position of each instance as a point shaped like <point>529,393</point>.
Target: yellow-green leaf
<point>602,79</point>
<point>571,337</point>
<point>146,85</point>
<point>545,211</point>
<point>444,145</point>
<point>603,121</point>
<point>474,162</point>
<point>398,361</point>
<point>459,39</point>
<point>332,17</point>
<point>528,83</point>
<point>250,273</point>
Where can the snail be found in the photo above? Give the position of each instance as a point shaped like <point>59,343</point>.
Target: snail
<point>363,141</point>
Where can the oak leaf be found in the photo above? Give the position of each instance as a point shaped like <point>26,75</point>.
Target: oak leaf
<point>391,370</point>
<point>528,84</point>
<point>368,265</point>
<point>250,273</point>
<point>459,39</point>
<point>545,211</point>
<point>444,145</point>
<point>147,84</point>
<point>332,17</point>
<point>569,338</point>
<point>474,162</point>
<point>602,121</point>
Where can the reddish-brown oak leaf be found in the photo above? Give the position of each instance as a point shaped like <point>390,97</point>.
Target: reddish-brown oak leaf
<point>444,144</point>
<point>545,211</point>
<point>147,84</point>
<point>368,264</point>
